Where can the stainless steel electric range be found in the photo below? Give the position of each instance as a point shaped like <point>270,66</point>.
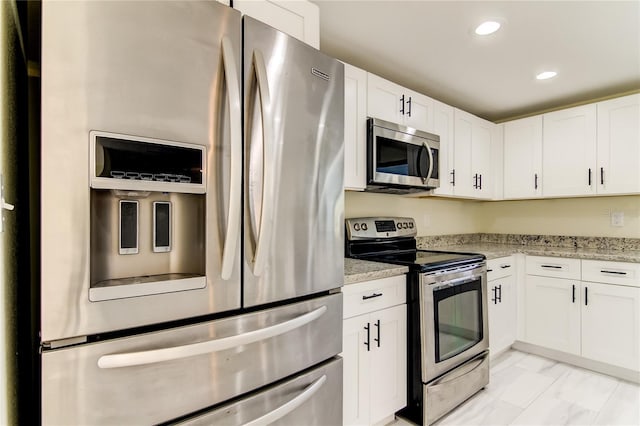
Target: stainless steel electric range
<point>447,325</point>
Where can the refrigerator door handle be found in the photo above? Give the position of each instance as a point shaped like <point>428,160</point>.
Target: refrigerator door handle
<point>235,135</point>
<point>289,406</point>
<point>209,346</point>
<point>266,217</point>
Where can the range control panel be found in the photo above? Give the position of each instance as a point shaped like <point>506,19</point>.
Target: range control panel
<point>365,228</point>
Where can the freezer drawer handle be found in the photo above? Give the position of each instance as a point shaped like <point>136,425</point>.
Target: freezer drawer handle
<point>289,406</point>
<point>193,349</point>
<point>235,134</point>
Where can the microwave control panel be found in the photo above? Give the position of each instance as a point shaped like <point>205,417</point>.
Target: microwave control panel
<point>380,227</point>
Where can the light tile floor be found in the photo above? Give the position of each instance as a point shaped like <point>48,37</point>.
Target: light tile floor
<point>526,389</point>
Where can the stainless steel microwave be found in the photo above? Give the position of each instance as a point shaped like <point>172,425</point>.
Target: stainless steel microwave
<point>401,159</point>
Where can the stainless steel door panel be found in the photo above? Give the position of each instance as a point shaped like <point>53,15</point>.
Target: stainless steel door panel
<point>151,69</point>
<point>313,398</point>
<point>161,376</point>
<point>429,282</point>
<point>294,203</point>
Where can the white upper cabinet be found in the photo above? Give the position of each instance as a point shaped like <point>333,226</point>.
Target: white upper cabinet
<point>618,168</point>
<point>523,158</point>
<point>443,127</point>
<point>569,152</point>
<point>471,173</point>
<point>389,101</point>
<point>298,18</point>
<point>355,128</point>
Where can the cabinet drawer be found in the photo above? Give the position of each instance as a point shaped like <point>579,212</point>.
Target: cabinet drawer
<point>370,296</point>
<point>501,267</point>
<point>556,267</point>
<point>620,273</point>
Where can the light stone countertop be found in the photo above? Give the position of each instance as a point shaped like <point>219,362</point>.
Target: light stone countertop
<point>356,270</point>
<point>495,250</point>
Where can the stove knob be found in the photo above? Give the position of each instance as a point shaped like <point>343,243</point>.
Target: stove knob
<point>356,226</point>
<point>399,225</point>
<point>404,225</point>
<point>410,225</point>
<point>364,226</point>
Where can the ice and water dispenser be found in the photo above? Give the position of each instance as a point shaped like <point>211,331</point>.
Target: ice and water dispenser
<point>147,216</point>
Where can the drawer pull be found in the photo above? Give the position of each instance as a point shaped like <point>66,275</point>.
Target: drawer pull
<point>489,270</point>
<point>551,266</point>
<point>505,266</point>
<point>613,272</point>
<point>371,296</point>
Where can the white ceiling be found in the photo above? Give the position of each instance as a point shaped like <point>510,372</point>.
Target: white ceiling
<point>429,46</point>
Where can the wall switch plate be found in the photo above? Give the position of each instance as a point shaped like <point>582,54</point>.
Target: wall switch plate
<point>617,218</point>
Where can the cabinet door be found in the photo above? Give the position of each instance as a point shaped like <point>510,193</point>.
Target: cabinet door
<point>619,145</point>
<point>552,317</point>
<point>481,148</point>
<point>611,324</point>
<point>523,158</point>
<point>388,362</point>
<point>356,371</point>
<point>569,152</point>
<point>502,313</point>
<point>385,99</point>
<point>355,128</point>
<point>463,132</point>
<point>299,19</point>
<point>418,111</point>
<point>443,127</point>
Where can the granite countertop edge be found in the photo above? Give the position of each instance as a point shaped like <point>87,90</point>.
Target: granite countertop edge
<point>496,250</point>
<point>356,270</point>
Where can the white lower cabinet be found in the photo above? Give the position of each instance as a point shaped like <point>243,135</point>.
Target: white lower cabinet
<point>501,300</point>
<point>374,351</point>
<point>611,324</point>
<point>599,321</point>
<point>552,315</point>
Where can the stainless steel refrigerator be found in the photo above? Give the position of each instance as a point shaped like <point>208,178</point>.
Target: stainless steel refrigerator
<point>192,218</point>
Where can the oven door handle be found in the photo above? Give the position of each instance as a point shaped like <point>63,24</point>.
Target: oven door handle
<point>289,406</point>
<point>184,351</point>
<point>466,368</point>
<point>456,282</point>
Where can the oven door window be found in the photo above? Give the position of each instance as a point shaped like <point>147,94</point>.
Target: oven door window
<point>400,158</point>
<point>458,318</point>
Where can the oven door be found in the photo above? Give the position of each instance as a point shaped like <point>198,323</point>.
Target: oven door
<point>399,158</point>
<point>453,317</point>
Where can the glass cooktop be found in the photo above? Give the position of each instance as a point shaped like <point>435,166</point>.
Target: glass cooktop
<point>426,260</point>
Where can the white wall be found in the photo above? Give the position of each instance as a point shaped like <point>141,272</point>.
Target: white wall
<point>438,216</point>
<point>434,216</point>
<point>587,217</point>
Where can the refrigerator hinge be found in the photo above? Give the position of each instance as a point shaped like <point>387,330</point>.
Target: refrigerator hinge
<point>55,344</point>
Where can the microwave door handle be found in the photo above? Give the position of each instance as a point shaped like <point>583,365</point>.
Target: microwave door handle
<point>430,160</point>
<point>235,136</point>
<point>266,217</point>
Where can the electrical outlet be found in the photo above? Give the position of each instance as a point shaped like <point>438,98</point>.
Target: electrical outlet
<point>617,218</point>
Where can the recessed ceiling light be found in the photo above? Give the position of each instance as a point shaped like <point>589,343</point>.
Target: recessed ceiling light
<point>488,27</point>
<point>546,75</point>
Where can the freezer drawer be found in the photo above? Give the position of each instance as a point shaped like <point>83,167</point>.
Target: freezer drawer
<point>155,377</point>
<point>313,398</point>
